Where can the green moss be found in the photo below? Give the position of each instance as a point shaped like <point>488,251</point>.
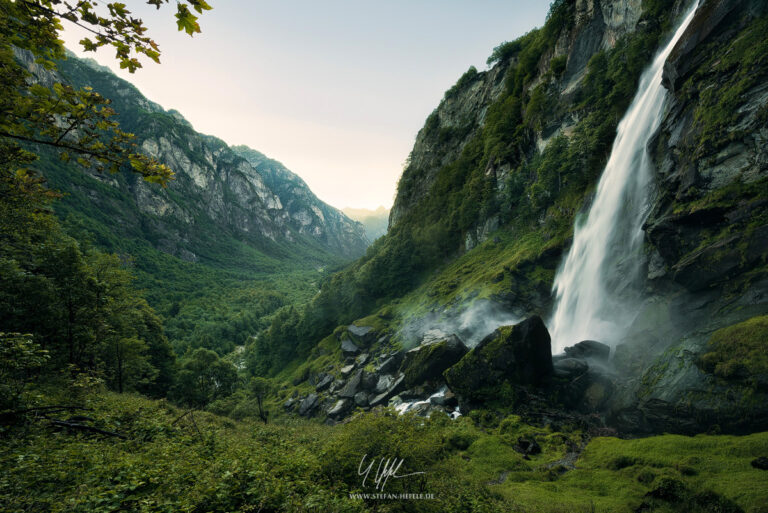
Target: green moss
<point>378,321</point>
<point>736,69</point>
<point>557,65</point>
<point>419,365</point>
<point>739,351</point>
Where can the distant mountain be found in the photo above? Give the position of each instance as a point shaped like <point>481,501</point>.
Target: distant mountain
<point>374,221</point>
<point>227,206</point>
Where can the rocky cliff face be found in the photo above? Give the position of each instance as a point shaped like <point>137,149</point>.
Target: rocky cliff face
<point>448,129</point>
<point>233,192</point>
<point>707,233</point>
<point>597,25</point>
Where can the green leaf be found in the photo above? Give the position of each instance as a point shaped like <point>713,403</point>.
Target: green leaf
<point>186,21</point>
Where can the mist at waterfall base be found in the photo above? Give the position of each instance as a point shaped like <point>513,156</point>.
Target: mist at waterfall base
<point>598,288</point>
<point>471,323</point>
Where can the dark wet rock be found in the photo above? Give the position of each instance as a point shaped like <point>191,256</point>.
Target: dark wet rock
<point>366,335</point>
<point>308,405</point>
<point>570,367</point>
<point>324,382</point>
<point>348,348</point>
<point>340,408</point>
<point>705,21</point>
<point>361,399</point>
<point>518,355</point>
<point>675,395</point>
<point>368,381</point>
<point>383,383</point>
<point>590,392</point>
<point>428,361</point>
<point>417,392</point>
<point>760,463</point>
<point>527,446</point>
<point>353,385</point>
<point>394,388</point>
<point>389,364</point>
<point>632,357</point>
<point>589,349</point>
<point>337,385</point>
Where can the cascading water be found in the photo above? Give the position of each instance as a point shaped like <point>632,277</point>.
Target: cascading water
<point>597,287</point>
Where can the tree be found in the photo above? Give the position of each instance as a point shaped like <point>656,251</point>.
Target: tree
<point>20,357</point>
<point>76,122</point>
<point>204,377</point>
<point>260,387</point>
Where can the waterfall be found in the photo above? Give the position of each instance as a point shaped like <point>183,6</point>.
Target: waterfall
<point>597,288</point>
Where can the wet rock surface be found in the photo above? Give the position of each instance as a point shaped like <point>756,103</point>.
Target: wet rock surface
<point>589,349</point>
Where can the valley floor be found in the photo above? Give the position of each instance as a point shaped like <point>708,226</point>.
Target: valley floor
<point>172,462</point>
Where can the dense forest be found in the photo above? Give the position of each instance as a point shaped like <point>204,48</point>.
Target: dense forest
<point>185,326</point>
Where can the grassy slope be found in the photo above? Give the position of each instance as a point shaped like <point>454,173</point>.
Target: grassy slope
<point>305,466</point>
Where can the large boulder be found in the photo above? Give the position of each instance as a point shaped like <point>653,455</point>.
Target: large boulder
<point>570,367</point>
<point>428,361</point>
<point>517,355</point>
<point>393,388</point>
<point>383,383</point>
<point>389,363</point>
<point>340,408</point>
<point>353,385</point>
<point>349,348</point>
<point>308,405</point>
<point>324,382</point>
<point>365,334</point>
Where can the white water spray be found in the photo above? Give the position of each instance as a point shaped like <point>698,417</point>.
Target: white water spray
<point>596,289</point>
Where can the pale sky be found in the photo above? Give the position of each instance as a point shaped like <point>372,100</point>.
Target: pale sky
<point>336,90</point>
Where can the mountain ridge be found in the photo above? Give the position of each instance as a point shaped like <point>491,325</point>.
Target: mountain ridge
<point>207,171</point>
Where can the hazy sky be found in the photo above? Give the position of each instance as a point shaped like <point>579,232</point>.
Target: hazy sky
<point>336,90</point>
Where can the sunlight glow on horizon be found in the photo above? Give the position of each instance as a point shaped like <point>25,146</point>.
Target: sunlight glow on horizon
<point>336,91</point>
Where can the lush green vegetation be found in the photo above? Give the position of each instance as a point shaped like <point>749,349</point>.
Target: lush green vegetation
<point>200,462</point>
<point>739,351</point>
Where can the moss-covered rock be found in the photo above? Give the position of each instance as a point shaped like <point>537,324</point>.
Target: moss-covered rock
<point>739,352</point>
<point>511,355</point>
<point>428,361</point>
